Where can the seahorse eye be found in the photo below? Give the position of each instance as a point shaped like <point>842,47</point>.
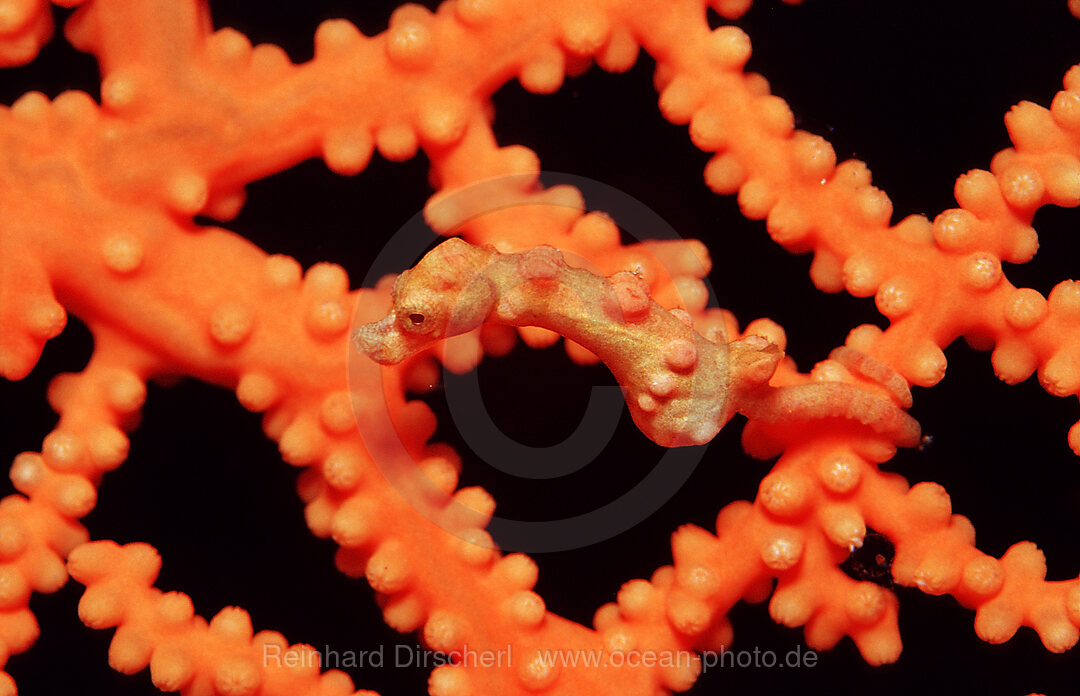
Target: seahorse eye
<point>416,319</point>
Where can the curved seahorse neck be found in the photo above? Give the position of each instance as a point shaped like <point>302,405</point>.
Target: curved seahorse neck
<point>676,382</point>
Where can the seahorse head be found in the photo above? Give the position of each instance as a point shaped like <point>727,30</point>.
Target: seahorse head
<point>444,295</point>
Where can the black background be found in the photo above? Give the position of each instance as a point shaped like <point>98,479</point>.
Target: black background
<point>915,90</point>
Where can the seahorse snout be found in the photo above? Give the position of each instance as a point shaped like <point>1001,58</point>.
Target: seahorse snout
<point>381,341</point>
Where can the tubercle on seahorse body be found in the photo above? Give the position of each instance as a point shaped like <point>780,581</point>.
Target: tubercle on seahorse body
<point>681,386</point>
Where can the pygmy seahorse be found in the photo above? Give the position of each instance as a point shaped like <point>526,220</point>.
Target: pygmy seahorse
<point>681,387</point>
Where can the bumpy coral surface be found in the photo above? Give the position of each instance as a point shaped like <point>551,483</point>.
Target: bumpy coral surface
<point>99,210</point>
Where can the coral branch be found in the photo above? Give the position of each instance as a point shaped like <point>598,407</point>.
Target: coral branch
<point>184,652</point>
<point>935,282</point>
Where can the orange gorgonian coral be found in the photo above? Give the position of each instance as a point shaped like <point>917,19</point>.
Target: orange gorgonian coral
<point>181,211</point>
